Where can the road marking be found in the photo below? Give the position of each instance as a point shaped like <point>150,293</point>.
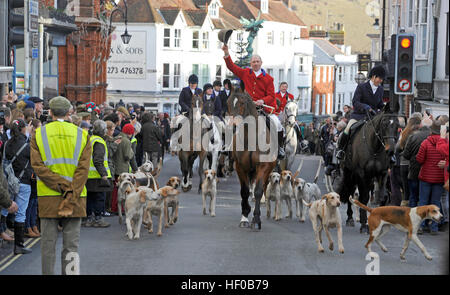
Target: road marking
<point>10,255</point>
<point>17,256</point>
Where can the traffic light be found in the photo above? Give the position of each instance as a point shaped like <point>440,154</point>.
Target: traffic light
<point>15,24</point>
<point>48,42</point>
<point>404,64</point>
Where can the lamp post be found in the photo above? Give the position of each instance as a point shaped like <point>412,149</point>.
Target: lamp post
<point>125,36</point>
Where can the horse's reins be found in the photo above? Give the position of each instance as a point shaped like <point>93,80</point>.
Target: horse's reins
<point>376,133</point>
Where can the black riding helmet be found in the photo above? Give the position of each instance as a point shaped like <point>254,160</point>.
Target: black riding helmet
<point>207,86</point>
<point>193,79</point>
<point>378,71</point>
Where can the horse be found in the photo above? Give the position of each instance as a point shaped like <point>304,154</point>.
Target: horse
<point>367,161</point>
<point>290,113</point>
<point>249,167</point>
<point>216,146</point>
<point>189,152</point>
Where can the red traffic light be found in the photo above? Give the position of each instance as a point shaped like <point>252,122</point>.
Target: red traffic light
<point>405,43</point>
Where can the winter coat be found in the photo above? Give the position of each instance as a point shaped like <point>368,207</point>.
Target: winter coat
<point>260,87</point>
<point>411,149</point>
<point>429,157</point>
<point>283,100</point>
<point>223,97</point>
<point>12,147</point>
<point>5,201</point>
<point>442,147</point>
<point>133,162</point>
<point>364,99</point>
<point>123,155</point>
<point>217,105</point>
<point>185,98</point>
<point>152,137</point>
<point>164,126</point>
<point>98,184</point>
<point>112,148</point>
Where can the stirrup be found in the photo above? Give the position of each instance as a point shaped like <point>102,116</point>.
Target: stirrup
<point>340,155</point>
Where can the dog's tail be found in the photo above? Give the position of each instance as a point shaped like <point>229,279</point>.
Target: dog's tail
<point>318,171</point>
<point>359,204</point>
<point>298,169</point>
<point>306,204</point>
<point>158,169</point>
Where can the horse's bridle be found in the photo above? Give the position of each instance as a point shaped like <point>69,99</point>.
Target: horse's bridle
<point>375,130</point>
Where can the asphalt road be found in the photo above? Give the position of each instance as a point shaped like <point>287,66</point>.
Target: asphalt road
<point>199,244</point>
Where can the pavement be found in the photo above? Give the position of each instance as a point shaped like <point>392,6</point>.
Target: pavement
<point>204,245</point>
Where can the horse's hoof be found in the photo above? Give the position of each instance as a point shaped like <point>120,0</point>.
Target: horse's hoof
<point>255,226</point>
<point>244,224</point>
<point>186,189</point>
<point>350,222</point>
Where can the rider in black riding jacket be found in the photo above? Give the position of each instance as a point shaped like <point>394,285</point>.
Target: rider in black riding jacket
<point>368,99</point>
<point>185,98</point>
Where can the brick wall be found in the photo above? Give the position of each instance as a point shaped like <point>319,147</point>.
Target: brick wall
<point>321,88</point>
<point>82,62</point>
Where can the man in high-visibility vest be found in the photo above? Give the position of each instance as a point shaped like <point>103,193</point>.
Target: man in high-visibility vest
<point>99,179</point>
<point>60,156</point>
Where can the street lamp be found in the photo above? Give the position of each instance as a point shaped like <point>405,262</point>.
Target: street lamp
<point>376,24</point>
<point>125,36</point>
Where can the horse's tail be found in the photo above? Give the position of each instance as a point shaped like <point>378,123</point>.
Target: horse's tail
<point>359,204</point>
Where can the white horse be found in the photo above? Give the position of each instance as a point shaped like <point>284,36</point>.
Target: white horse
<point>290,113</point>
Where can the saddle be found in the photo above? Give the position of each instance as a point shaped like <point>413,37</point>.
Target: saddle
<point>355,127</point>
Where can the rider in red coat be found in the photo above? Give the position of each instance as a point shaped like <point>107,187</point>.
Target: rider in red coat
<point>259,85</point>
<point>284,96</point>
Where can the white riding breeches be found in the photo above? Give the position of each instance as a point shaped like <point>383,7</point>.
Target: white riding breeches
<point>276,121</point>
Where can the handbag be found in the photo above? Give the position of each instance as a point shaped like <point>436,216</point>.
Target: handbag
<point>13,181</point>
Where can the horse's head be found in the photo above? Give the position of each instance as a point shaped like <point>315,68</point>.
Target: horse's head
<point>290,112</point>
<point>387,125</point>
<point>240,103</point>
<point>197,107</point>
<point>208,107</point>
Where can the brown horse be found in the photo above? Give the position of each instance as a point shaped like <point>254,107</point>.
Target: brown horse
<point>249,167</point>
<point>188,153</point>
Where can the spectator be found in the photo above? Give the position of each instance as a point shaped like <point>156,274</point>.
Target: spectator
<point>413,125</point>
<point>152,136</point>
<point>112,144</point>
<point>443,147</point>
<point>164,125</point>
<point>409,153</point>
<point>38,107</point>
<point>325,138</point>
<point>60,196</point>
<point>32,230</point>
<point>133,163</point>
<point>17,152</point>
<point>185,98</point>
<point>431,176</point>
<point>5,203</point>
<point>99,179</point>
<point>114,117</point>
<point>124,116</point>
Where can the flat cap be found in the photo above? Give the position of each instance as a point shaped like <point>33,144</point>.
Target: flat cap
<point>60,103</point>
<point>124,111</point>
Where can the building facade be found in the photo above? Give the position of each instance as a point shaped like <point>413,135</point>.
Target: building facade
<point>178,39</point>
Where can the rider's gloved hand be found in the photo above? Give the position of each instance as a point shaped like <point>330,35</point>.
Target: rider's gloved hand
<point>372,112</point>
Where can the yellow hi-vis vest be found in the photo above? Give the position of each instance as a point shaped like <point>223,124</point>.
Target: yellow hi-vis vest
<point>93,173</point>
<point>134,140</point>
<point>60,145</point>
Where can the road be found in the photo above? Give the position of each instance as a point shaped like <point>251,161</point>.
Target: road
<point>206,245</point>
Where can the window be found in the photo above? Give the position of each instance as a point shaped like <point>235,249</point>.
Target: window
<point>166,75</point>
<point>339,101</point>
<point>204,75</point>
<point>281,75</point>
<point>330,99</point>
<point>344,74</point>
<point>205,41</point>
<point>270,72</point>
<point>176,75</point>
<point>324,103</point>
<point>195,69</point>
<point>270,37</point>
<point>340,74</point>
<point>166,37</point>
<point>410,13</point>
<point>330,73</point>
<point>318,74</point>
<point>301,68</point>
<point>317,105</point>
<point>219,73</point>
<point>264,6</point>
<point>289,76</point>
<point>352,73</point>
<point>213,11</point>
<point>282,38</point>
<point>324,73</point>
<point>195,37</point>
<point>177,38</point>
<point>240,36</point>
<point>422,28</point>
<point>290,38</point>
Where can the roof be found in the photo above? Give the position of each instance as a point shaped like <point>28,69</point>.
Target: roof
<point>195,17</point>
<point>321,57</point>
<point>327,47</point>
<point>201,3</point>
<point>139,11</point>
<point>169,14</point>
<point>226,21</point>
<point>278,11</point>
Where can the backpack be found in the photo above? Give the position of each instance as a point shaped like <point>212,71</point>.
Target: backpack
<point>13,181</point>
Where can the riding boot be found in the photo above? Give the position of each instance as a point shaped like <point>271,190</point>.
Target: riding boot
<point>342,145</point>
<point>19,248</point>
<point>281,153</point>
